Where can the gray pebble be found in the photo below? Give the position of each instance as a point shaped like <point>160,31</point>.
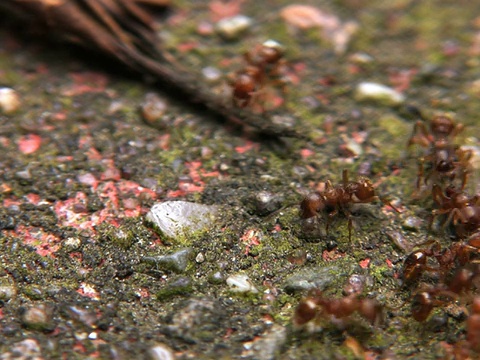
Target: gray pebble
<point>241,283</point>
<point>38,317</point>
<point>7,292</point>
<point>176,218</point>
<point>269,346</point>
<point>412,223</point>
<point>161,352</point>
<point>176,262</point>
<point>267,202</point>
<point>312,278</point>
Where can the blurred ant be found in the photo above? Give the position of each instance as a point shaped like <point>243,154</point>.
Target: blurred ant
<point>470,347</point>
<point>265,65</point>
<point>473,326</point>
<point>463,211</point>
<point>441,127</point>
<point>335,199</point>
<point>445,160</point>
<point>425,301</point>
<point>315,305</point>
<point>415,264</point>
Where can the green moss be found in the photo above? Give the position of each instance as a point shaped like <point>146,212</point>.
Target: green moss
<point>170,292</point>
<point>123,236</point>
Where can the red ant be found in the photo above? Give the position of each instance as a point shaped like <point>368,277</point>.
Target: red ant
<point>470,347</point>
<point>425,301</point>
<point>446,160</point>
<point>441,127</point>
<point>463,211</point>
<point>473,326</point>
<point>335,199</point>
<point>264,64</point>
<point>415,264</point>
<point>315,304</point>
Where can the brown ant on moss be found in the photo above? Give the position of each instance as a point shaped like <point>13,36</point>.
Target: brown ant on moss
<point>425,301</point>
<point>335,199</point>
<point>441,127</point>
<point>469,348</point>
<point>415,264</point>
<point>264,66</point>
<point>462,282</point>
<point>446,163</point>
<point>445,160</point>
<point>462,211</point>
<point>315,305</point>
<point>473,326</point>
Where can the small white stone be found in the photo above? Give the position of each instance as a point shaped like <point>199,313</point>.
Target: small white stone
<point>161,352</point>
<point>9,100</point>
<point>361,58</point>
<point>211,73</point>
<point>241,283</point>
<point>369,91</point>
<point>72,243</point>
<point>200,258</point>
<point>175,218</point>
<point>230,28</point>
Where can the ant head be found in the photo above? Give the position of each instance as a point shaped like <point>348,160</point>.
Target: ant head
<point>461,200</point>
<point>253,71</point>
<point>442,125</point>
<point>364,189</point>
<point>422,305</point>
<point>311,205</point>
<point>271,51</point>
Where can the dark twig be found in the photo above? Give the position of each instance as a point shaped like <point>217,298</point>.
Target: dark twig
<point>123,29</point>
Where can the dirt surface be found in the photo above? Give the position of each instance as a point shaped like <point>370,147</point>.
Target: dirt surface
<point>80,167</point>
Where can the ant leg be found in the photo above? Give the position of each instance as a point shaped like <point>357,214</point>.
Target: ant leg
<point>345,177</point>
<point>328,185</point>
<point>420,172</point>
<point>385,202</point>
<point>474,240</point>
<point>456,216</point>
<point>329,219</point>
<point>438,212</point>
<point>464,159</point>
<point>419,135</point>
<point>350,225</point>
<point>458,129</point>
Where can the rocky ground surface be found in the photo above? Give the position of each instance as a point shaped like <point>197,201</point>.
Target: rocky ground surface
<point>87,148</point>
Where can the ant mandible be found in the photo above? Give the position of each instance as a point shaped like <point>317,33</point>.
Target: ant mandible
<point>335,199</point>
